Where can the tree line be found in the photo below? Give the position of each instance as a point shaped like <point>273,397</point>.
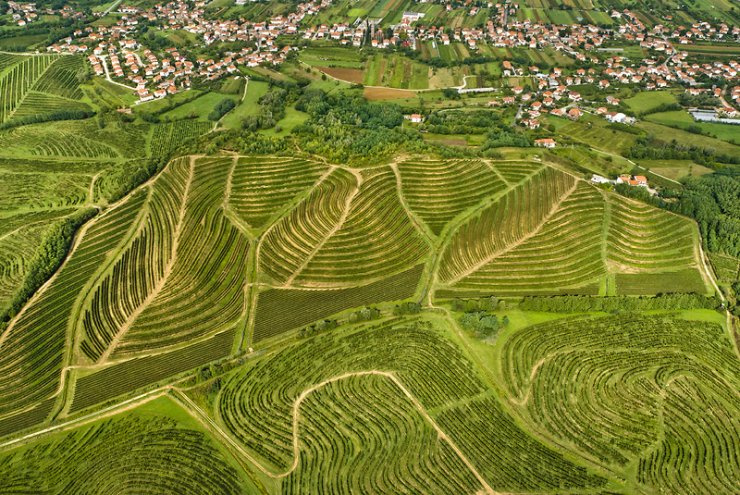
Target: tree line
<point>48,258</point>
<point>712,200</point>
<point>584,304</point>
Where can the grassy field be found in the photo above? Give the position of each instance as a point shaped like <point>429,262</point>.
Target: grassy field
<point>668,134</point>
<point>646,101</point>
<point>292,119</point>
<point>682,120</point>
<point>331,56</point>
<point>248,107</point>
<point>199,108</point>
<point>675,169</point>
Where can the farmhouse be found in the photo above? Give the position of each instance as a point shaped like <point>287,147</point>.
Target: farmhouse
<point>619,118</point>
<point>545,143</point>
<point>415,118</point>
<point>632,180</point>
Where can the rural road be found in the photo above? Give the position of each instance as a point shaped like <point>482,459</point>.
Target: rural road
<point>103,58</point>
<point>210,424</point>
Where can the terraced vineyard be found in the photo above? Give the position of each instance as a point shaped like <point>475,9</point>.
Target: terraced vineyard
<point>170,265</point>
<point>351,229</point>
<point>404,368</point>
<point>551,235</point>
<point>261,188</point>
<point>34,344</point>
<point>655,394</point>
<point>564,254</point>
<point>646,239</point>
<point>208,284</point>
<point>437,191</point>
<point>18,74</point>
<point>32,205</point>
<point>176,255</point>
<point>147,451</point>
<point>380,448</point>
<point>167,136</point>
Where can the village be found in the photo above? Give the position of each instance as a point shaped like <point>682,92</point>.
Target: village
<point>120,53</point>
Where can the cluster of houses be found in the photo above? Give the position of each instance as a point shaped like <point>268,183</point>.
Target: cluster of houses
<point>343,33</point>
<point>24,13</point>
<point>118,52</point>
<point>553,94</point>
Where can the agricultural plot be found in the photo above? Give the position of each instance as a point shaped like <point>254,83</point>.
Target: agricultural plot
<point>379,381</point>
<point>227,252</point>
<point>668,134</point>
<point>36,198</point>
<point>76,140</point>
<point>488,235</point>
<point>168,136</point>
<point>153,450</point>
<point>675,169</point>
<point>16,254</point>
<point>199,108</point>
<point>647,239</point>
<point>437,15</point>
<point>712,51</point>
<point>24,230</point>
<point>683,120</point>
<point>396,71</point>
<point>567,238</point>
<point>62,78</point>
<point>561,257</point>
<point>34,344</point>
<point>370,433</point>
<point>550,12</point>
<point>351,229</point>
<point>42,105</point>
<point>331,56</point>
<point>17,76</point>
<point>261,187</point>
<point>595,132</point>
<point>437,191</point>
<point>178,251</point>
<point>280,310</point>
<point>725,267</point>
<point>101,386</point>
<point>655,394</point>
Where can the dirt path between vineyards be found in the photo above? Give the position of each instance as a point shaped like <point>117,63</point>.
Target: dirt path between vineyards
<point>206,421</point>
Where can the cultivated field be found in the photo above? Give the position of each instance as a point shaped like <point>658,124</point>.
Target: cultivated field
<point>252,247</point>
<point>654,395</point>
<point>229,259</point>
<point>374,385</point>
<point>167,450</point>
